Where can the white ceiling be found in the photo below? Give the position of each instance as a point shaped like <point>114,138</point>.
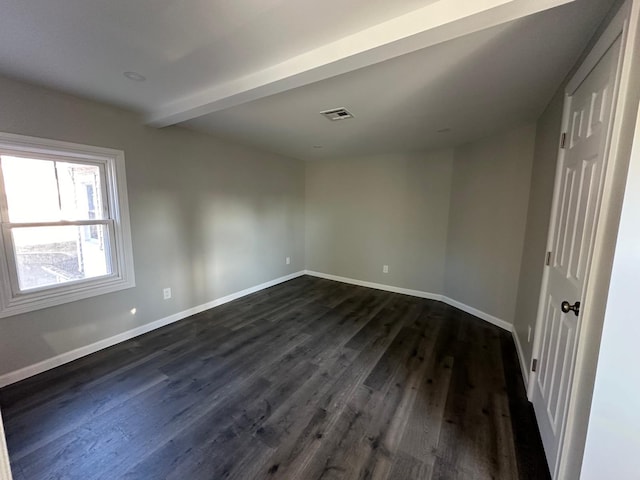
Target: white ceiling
<point>181,46</point>
<point>259,71</point>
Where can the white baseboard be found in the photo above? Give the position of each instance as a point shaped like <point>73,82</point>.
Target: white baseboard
<point>417,293</point>
<point>48,364</point>
<point>498,322</point>
<point>524,368</point>
<point>378,286</point>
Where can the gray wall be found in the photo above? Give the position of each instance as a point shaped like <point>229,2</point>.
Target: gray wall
<point>450,222</point>
<point>489,199</point>
<point>535,243</point>
<point>208,219</point>
<point>540,198</point>
<point>393,210</point>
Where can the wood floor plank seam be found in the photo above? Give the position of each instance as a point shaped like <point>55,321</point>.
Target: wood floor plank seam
<point>309,379</point>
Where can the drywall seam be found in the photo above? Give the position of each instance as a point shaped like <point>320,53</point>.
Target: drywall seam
<point>53,362</point>
<point>417,293</point>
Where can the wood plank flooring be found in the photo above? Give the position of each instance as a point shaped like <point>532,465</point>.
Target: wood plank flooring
<point>310,379</point>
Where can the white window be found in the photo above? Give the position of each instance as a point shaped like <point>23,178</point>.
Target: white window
<point>65,223</point>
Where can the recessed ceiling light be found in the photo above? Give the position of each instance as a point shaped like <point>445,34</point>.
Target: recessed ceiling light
<point>135,76</point>
<point>443,130</point>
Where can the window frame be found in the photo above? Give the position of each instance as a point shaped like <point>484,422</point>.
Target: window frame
<point>111,162</point>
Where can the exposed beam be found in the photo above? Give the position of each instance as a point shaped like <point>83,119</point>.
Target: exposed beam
<point>435,23</point>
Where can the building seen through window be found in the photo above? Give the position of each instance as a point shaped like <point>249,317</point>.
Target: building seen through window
<point>64,223</point>
<point>40,193</point>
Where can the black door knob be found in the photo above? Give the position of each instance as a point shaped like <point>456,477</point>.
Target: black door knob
<point>567,307</point>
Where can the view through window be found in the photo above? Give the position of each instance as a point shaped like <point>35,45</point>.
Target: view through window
<point>42,192</point>
<point>65,228</point>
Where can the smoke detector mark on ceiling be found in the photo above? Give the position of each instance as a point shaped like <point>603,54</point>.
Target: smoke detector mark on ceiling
<point>339,113</point>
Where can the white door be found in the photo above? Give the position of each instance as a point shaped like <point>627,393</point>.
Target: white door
<point>581,164</point>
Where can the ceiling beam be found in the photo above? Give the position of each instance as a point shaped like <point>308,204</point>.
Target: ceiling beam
<point>435,23</point>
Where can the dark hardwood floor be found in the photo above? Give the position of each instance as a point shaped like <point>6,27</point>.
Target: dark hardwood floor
<point>306,380</point>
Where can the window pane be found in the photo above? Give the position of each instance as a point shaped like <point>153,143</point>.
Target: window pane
<point>48,256</point>
<point>31,188</point>
<point>80,191</point>
<point>36,194</point>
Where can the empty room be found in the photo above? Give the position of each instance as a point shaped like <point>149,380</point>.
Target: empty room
<point>339,240</point>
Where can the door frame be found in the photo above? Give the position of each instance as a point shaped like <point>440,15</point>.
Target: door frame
<point>623,24</point>
<point>5,468</point>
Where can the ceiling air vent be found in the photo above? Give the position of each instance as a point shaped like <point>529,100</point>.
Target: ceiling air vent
<point>334,114</point>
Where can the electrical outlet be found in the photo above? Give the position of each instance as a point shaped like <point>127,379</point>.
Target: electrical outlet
<point>385,269</point>
<point>166,293</point>
<point>287,260</point>
<point>529,334</point>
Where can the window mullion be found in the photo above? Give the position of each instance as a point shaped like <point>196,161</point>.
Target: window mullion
<point>4,205</point>
<point>62,223</point>
<point>10,255</point>
<point>105,191</point>
<point>55,171</point>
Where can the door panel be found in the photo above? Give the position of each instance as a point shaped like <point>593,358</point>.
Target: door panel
<point>578,194</point>
<point>587,203</point>
<point>564,221</point>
